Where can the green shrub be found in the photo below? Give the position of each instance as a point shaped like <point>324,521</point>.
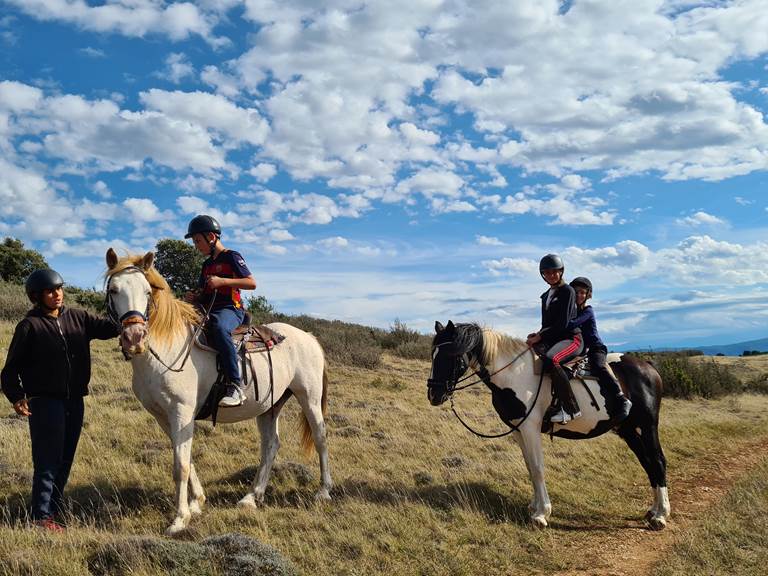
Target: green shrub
<point>685,379</point>
<point>13,302</point>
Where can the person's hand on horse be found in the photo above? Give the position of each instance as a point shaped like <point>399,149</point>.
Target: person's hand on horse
<point>215,282</point>
<point>191,296</point>
<point>22,407</point>
<point>532,339</point>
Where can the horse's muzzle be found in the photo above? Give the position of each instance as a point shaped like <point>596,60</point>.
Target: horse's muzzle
<point>132,340</point>
<point>437,392</point>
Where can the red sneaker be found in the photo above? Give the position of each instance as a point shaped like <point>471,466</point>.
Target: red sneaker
<point>49,524</point>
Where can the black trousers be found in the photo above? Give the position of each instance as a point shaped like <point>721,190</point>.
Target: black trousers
<point>54,427</point>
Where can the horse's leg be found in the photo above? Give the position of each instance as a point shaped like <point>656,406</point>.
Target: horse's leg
<point>529,439</point>
<point>660,511</point>
<point>313,414</point>
<point>649,454</point>
<point>270,443</point>
<point>197,499</point>
<point>182,425</point>
<point>197,496</point>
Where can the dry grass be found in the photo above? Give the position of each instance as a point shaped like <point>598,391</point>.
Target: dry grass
<point>416,493</point>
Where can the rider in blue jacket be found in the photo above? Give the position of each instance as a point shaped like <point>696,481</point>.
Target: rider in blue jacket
<point>617,404</point>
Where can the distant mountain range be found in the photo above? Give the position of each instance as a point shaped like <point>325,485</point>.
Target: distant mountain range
<point>761,345</point>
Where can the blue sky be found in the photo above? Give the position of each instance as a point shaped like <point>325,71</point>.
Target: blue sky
<point>408,160</point>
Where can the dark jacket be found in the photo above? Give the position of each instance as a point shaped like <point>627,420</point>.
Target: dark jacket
<point>555,319</point>
<point>585,320</point>
<point>52,356</point>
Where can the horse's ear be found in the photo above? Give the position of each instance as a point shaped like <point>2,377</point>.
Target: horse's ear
<point>111,258</point>
<point>148,260</point>
<point>450,325</point>
<point>439,327</point>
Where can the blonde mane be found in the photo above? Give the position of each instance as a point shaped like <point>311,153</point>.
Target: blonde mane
<point>495,343</point>
<point>168,315</point>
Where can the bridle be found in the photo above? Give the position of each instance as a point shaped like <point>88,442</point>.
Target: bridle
<point>137,317</point>
<point>461,365</point>
<point>130,317</point>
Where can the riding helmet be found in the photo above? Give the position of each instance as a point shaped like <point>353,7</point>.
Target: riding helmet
<point>583,282</point>
<point>202,224</point>
<point>43,279</point>
<point>551,262</point>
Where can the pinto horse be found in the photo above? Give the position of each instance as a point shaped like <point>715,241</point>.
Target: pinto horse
<point>172,378</point>
<point>521,397</point>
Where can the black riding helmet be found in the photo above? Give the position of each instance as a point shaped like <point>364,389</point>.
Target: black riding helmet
<point>43,279</point>
<point>202,224</point>
<point>583,282</point>
<point>551,262</point>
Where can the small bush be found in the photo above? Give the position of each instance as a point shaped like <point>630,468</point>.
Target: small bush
<point>685,379</point>
<point>14,303</point>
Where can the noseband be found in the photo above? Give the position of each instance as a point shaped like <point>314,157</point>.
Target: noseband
<point>459,367</point>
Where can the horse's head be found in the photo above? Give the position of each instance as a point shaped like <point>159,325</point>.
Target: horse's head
<point>129,296</point>
<point>449,363</point>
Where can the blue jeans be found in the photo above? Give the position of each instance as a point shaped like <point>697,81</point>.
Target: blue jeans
<point>221,324</point>
<point>54,426</point>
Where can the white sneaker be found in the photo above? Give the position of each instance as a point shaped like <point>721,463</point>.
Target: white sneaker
<point>562,417</point>
<point>233,397</point>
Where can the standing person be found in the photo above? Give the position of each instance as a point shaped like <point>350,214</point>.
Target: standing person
<point>556,341</point>
<point>45,377</point>
<point>617,404</point>
<point>223,275</point>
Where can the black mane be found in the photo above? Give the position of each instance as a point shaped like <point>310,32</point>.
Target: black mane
<point>468,338</point>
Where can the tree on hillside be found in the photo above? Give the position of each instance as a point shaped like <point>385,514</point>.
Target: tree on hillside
<point>179,263</point>
<point>17,262</point>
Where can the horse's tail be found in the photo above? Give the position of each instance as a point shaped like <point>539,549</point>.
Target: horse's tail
<point>307,441</point>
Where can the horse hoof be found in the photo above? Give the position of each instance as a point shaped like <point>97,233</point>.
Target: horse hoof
<point>539,522</point>
<point>657,523</point>
<point>248,501</point>
<point>323,495</point>
<point>648,515</point>
<point>179,525</point>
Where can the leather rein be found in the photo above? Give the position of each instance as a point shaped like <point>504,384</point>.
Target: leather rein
<point>485,377</point>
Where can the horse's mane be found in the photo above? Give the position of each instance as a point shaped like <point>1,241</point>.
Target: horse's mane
<point>168,315</point>
<point>492,343</point>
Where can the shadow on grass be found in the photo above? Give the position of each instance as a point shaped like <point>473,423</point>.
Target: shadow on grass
<point>472,496</point>
<point>98,504</point>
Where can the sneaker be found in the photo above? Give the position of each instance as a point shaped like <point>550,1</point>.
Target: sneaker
<point>233,397</point>
<point>622,409</point>
<point>563,417</point>
<point>49,524</point>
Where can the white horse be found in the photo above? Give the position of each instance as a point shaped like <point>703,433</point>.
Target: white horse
<point>172,378</point>
<point>521,398</point>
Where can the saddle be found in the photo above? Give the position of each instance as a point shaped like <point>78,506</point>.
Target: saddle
<point>248,340</point>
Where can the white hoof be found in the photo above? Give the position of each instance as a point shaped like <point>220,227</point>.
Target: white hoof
<point>539,521</point>
<point>249,501</point>
<point>323,495</point>
<point>657,523</point>
<point>195,508</point>
<point>179,525</point>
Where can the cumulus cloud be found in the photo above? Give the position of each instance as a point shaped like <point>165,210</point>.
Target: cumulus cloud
<point>177,20</point>
<point>488,241</point>
<point>700,218</point>
<point>177,68</point>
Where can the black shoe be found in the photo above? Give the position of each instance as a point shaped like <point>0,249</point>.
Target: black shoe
<point>622,408</point>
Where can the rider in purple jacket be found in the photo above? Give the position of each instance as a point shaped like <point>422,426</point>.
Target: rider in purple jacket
<point>617,404</point>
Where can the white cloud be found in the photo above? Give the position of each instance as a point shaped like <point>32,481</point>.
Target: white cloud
<point>144,210</point>
<point>177,68</point>
<point>488,241</point>
<point>263,172</point>
<point>700,218</point>
<point>177,20</point>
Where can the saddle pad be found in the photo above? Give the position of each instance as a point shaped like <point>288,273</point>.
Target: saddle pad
<point>254,338</point>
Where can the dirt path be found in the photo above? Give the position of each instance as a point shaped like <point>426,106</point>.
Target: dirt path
<point>633,552</point>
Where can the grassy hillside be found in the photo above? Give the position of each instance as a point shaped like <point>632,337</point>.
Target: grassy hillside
<point>416,493</point>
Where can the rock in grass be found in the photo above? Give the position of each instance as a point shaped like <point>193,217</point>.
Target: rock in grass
<point>245,556</point>
<point>453,461</point>
<point>227,555</point>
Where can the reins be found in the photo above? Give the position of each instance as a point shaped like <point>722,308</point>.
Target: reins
<point>485,378</point>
